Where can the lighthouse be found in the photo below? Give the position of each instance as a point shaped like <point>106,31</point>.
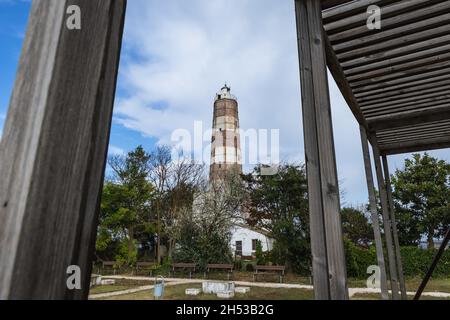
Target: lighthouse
<point>225,144</point>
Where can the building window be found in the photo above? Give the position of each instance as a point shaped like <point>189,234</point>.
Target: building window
<point>254,244</point>
<point>239,248</point>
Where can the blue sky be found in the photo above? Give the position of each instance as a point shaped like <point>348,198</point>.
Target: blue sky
<point>176,56</point>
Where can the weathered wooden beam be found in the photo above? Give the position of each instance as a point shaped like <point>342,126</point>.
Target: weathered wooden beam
<point>412,137</point>
<point>54,147</point>
<point>327,4</point>
<point>429,112</point>
<point>404,40</point>
<point>428,61</point>
<point>346,8</point>
<point>387,11</point>
<point>392,33</point>
<point>386,221</point>
<point>401,50</point>
<point>392,22</point>
<point>426,77</point>
<point>401,74</point>
<point>342,83</point>
<point>392,89</point>
<point>398,255</point>
<point>319,131</point>
<point>426,125</point>
<point>409,94</point>
<point>409,120</point>
<point>416,146</point>
<point>374,214</point>
<point>317,226</point>
<point>398,61</point>
<point>395,104</point>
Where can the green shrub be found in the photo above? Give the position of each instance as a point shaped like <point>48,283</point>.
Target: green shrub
<point>416,261</point>
<point>358,259</point>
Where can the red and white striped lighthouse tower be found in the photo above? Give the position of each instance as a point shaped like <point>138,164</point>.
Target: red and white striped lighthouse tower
<point>226,145</point>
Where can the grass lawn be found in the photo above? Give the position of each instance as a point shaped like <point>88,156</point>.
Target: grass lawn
<point>178,293</point>
<point>109,288</point>
<point>256,293</point>
<point>436,284</point>
<point>371,296</point>
<point>120,285</point>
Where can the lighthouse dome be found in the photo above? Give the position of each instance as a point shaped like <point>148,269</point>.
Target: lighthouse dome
<point>225,93</point>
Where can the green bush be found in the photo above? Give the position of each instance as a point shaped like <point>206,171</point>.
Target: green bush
<point>416,261</point>
<point>358,259</point>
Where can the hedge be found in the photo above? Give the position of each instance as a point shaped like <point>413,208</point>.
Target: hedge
<point>416,261</point>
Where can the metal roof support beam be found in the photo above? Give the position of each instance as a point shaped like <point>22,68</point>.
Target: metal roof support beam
<point>398,255</point>
<point>54,147</point>
<point>374,214</point>
<point>329,266</point>
<point>386,220</point>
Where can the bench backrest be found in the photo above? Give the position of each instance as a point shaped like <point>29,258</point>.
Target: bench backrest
<point>219,266</point>
<point>145,264</point>
<point>109,263</point>
<point>271,268</point>
<point>183,265</point>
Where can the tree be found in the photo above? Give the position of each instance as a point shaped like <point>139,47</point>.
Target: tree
<point>356,227</point>
<point>126,205</point>
<point>175,181</point>
<point>422,198</point>
<point>278,204</point>
<point>206,231</point>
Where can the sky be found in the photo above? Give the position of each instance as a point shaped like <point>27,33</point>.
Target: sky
<point>177,54</point>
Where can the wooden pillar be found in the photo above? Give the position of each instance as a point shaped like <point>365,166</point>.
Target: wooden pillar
<point>398,255</point>
<point>330,279</point>
<point>54,147</point>
<point>386,221</point>
<point>374,214</point>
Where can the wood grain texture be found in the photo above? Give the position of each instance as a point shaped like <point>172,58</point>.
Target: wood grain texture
<point>374,213</point>
<point>317,226</point>
<point>320,154</point>
<point>54,147</point>
<point>398,255</point>
<point>386,221</point>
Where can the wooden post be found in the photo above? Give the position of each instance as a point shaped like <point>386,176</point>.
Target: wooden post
<point>374,214</point>
<point>330,279</point>
<point>386,221</point>
<point>54,147</point>
<point>398,255</point>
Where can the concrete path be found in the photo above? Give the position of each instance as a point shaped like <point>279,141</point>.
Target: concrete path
<point>176,281</point>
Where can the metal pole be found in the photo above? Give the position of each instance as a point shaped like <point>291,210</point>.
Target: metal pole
<point>374,214</point>
<point>433,265</point>
<point>398,255</point>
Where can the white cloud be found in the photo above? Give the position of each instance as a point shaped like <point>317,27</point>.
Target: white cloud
<point>113,150</point>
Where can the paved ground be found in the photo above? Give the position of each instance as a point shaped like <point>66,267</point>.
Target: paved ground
<point>174,282</point>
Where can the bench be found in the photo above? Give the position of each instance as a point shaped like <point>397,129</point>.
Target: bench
<point>146,266</point>
<point>279,270</point>
<point>184,266</point>
<point>212,266</point>
<point>109,265</point>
